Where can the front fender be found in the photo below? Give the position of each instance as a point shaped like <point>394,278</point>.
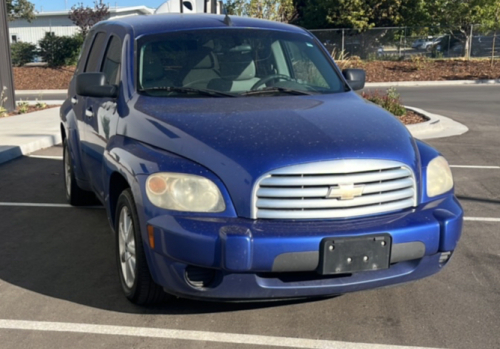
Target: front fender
<point>135,161</point>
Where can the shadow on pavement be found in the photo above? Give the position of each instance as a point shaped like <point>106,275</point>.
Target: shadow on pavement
<point>68,253</point>
<point>471,198</point>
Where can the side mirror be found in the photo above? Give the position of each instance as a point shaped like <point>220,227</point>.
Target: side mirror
<point>355,77</point>
<point>94,85</point>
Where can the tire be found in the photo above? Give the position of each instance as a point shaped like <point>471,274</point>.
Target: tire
<point>74,195</point>
<point>135,277</point>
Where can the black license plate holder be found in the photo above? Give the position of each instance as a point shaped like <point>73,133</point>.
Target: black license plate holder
<point>354,254</point>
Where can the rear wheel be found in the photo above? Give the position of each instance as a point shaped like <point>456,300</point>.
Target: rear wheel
<point>74,195</point>
<point>135,278</point>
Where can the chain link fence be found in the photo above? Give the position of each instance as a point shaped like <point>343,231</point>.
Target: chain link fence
<point>403,43</point>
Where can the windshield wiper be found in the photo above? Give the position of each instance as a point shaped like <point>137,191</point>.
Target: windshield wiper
<point>272,89</point>
<point>212,93</point>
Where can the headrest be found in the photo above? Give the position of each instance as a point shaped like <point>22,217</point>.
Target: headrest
<point>152,67</point>
<point>203,60</point>
<point>237,66</point>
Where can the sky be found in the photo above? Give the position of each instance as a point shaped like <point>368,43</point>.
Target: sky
<point>59,5</point>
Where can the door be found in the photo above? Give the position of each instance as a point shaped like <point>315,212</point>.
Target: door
<point>102,116</point>
<point>91,55</point>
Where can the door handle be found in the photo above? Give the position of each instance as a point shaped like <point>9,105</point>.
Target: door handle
<point>89,113</point>
<point>74,100</point>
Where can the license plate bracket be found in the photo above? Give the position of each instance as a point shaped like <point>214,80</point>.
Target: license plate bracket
<point>354,254</point>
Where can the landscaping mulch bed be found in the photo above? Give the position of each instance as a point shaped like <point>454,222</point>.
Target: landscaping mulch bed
<point>428,70</point>
<point>42,78</point>
<point>412,118</point>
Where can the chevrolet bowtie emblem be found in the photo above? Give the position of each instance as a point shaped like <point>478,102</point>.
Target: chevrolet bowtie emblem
<point>345,191</point>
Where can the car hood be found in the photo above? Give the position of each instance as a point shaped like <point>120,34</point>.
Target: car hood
<point>240,139</point>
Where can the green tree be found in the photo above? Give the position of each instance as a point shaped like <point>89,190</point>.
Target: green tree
<point>459,16</point>
<point>275,10</point>
<point>360,14</point>
<point>20,9</point>
<point>492,24</point>
<point>86,17</point>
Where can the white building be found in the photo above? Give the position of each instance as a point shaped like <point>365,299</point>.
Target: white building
<point>190,6</point>
<point>59,23</point>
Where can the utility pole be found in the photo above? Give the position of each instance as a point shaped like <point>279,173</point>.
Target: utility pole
<point>6,81</point>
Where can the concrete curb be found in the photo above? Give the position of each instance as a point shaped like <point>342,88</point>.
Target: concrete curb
<point>27,133</point>
<point>39,92</point>
<point>48,102</point>
<point>433,83</point>
<point>437,126</point>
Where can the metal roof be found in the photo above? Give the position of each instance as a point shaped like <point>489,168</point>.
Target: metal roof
<point>117,10</point>
<point>166,22</point>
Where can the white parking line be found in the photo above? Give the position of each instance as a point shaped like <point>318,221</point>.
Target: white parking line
<point>203,336</point>
<point>481,167</point>
<point>46,157</point>
<point>32,204</point>
<point>481,219</point>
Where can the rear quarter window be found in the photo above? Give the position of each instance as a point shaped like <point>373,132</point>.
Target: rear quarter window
<point>94,59</point>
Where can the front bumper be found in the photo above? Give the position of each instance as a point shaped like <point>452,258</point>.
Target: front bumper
<point>262,259</point>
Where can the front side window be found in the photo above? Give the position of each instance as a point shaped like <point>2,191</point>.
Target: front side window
<point>233,62</point>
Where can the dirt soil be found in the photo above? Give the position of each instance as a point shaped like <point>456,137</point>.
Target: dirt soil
<point>428,70</point>
<point>412,118</point>
<point>42,78</point>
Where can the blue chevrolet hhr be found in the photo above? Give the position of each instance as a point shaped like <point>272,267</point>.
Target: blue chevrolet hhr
<point>235,162</point>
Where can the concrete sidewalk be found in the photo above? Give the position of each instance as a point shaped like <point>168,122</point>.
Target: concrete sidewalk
<point>26,133</point>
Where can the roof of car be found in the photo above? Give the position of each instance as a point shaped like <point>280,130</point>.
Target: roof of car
<point>151,24</point>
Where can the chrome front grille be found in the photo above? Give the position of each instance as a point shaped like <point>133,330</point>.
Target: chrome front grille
<point>334,189</point>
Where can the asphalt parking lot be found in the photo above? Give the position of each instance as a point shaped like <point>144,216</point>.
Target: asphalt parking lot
<point>59,287</point>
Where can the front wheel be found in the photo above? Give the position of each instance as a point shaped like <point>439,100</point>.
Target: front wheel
<point>135,278</point>
<point>74,194</point>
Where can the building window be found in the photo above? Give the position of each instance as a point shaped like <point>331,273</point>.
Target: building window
<point>14,38</point>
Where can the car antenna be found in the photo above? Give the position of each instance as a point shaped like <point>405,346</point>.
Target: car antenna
<point>228,21</point>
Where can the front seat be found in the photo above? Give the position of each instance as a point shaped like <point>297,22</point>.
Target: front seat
<point>153,72</point>
<point>237,71</point>
<point>201,69</point>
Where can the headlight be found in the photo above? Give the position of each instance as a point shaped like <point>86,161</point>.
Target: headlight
<point>439,177</point>
<point>184,192</point>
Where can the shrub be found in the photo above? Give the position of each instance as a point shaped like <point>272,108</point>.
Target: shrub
<point>22,53</point>
<point>22,107</point>
<point>58,51</point>
<point>389,101</point>
<point>420,61</point>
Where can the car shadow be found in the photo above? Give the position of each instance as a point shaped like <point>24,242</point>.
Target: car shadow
<point>475,199</point>
<point>68,253</point>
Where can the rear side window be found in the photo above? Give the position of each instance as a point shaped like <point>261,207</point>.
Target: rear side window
<point>94,60</point>
<point>112,60</point>
<point>83,53</point>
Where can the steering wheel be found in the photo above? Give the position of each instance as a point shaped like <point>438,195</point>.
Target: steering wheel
<point>269,78</point>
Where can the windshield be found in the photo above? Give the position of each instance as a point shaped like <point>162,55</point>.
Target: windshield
<point>233,63</point>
